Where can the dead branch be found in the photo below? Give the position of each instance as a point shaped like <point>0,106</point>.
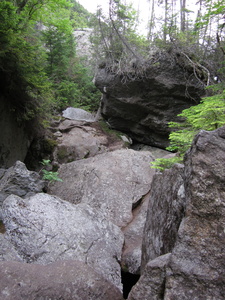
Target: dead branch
<point>194,66</point>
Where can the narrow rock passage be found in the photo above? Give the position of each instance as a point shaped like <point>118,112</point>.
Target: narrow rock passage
<point>128,281</point>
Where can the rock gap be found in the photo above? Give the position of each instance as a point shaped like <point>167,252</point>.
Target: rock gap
<point>128,281</point>
<point>2,227</point>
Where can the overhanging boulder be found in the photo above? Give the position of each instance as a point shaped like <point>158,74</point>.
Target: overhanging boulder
<point>144,98</point>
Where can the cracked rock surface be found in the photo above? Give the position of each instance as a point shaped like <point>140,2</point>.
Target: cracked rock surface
<point>18,180</point>
<point>133,234</point>
<point>110,182</point>
<point>67,280</point>
<point>78,140</point>
<point>195,195</point>
<point>44,229</point>
<point>197,266</point>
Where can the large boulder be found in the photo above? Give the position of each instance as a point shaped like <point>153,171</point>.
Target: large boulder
<point>111,182</point>
<point>142,99</point>
<point>77,140</point>
<point>197,268</point>
<point>151,285</point>
<point>133,232</point>
<point>19,181</point>
<point>67,280</point>
<point>45,229</point>
<point>78,114</point>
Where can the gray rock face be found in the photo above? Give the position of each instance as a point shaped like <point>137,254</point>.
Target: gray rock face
<point>7,250</point>
<point>19,181</point>
<point>67,280</point>
<point>45,229</point>
<point>77,140</point>
<point>151,284</point>
<point>197,269</point>
<point>165,212</point>
<point>111,182</point>
<point>78,114</point>
<point>84,47</point>
<point>142,107</point>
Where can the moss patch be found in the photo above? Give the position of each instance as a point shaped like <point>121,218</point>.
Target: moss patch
<point>112,134</point>
<point>49,145</point>
<point>62,153</point>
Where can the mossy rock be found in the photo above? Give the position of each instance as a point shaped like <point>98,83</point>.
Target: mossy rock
<point>49,145</point>
<point>62,153</point>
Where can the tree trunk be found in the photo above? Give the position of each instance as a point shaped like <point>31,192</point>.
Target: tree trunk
<point>165,21</point>
<point>183,15</point>
<point>151,20</point>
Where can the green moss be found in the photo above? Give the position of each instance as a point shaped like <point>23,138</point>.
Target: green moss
<point>124,268</point>
<point>110,131</point>
<point>62,153</point>
<point>49,145</point>
<point>126,145</point>
<point>157,64</point>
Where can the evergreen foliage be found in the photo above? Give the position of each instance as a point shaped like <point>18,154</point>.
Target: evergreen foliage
<point>202,46</point>
<point>39,70</point>
<point>208,115</point>
<point>21,69</point>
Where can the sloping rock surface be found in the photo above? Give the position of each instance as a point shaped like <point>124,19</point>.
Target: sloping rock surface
<point>111,182</point>
<point>165,213</point>
<point>142,104</point>
<point>67,280</point>
<point>77,140</point>
<point>45,229</point>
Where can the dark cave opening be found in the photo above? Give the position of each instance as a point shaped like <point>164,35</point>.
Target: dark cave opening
<point>128,281</point>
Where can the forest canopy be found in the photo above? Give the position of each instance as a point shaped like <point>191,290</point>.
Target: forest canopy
<point>41,72</point>
<point>39,68</point>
